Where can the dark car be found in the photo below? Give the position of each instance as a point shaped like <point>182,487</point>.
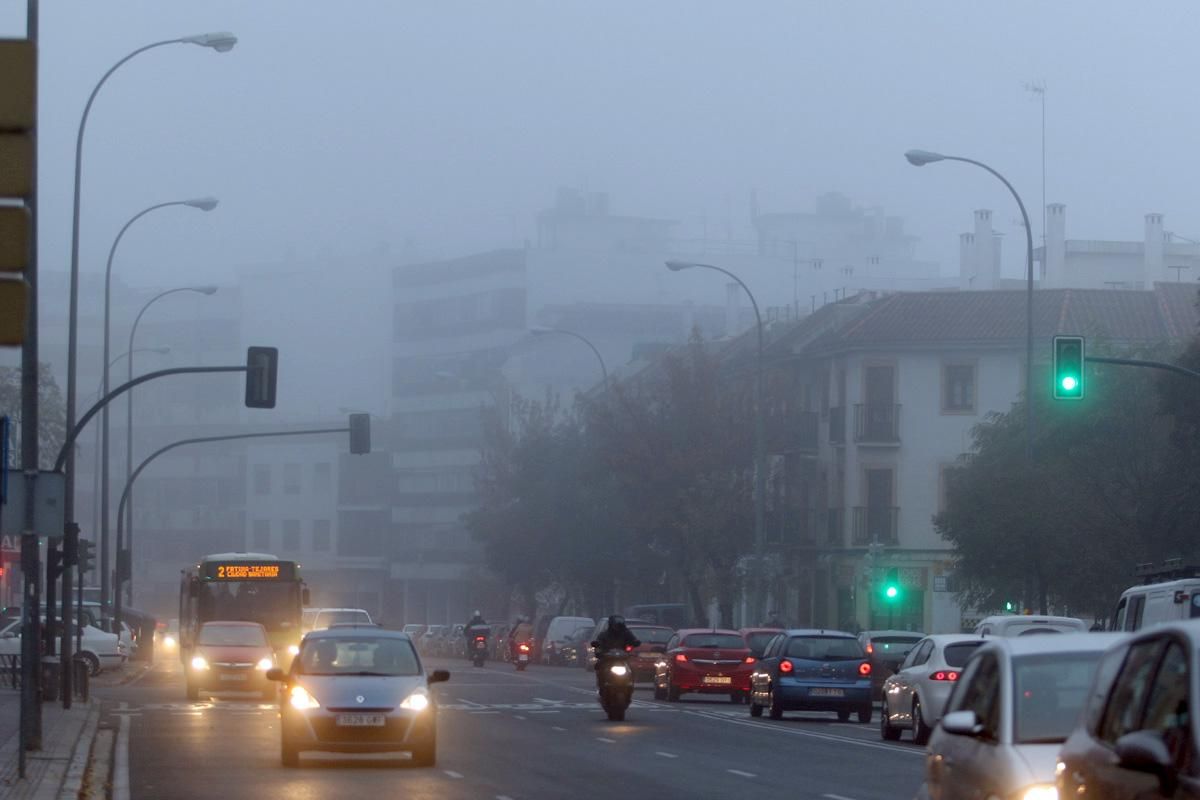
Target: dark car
<point>1137,736</point>
<point>812,670</point>
<point>358,690</point>
<point>653,646</point>
<point>705,661</point>
<point>574,650</point>
<point>757,639</point>
<point>886,650</point>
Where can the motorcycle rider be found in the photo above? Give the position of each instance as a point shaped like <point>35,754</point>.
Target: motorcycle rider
<point>476,623</point>
<point>615,636</point>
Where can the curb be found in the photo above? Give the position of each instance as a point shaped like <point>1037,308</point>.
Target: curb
<point>72,783</point>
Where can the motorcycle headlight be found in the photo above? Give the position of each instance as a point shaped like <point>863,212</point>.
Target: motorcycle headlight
<point>293,649</point>
<point>621,669</point>
<point>301,700</point>
<point>417,701</point>
<point>264,664</point>
<point>1040,791</point>
<point>199,663</point>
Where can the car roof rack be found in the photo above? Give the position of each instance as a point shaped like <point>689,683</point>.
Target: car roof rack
<point>1172,569</point>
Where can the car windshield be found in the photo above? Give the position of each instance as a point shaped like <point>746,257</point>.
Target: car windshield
<point>358,656</point>
<point>956,655</point>
<point>758,641</point>
<point>715,641</point>
<point>1048,693</point>
<point>824,648</point>
<point>654,635</point>
<point>232,636</point>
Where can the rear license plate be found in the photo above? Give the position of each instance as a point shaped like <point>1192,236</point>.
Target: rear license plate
<point>718,679</point>
<point>826,692</point>
<point>523,657</point>
<point>233,677</point>
<point>649,655</point>
<point>360,720</point>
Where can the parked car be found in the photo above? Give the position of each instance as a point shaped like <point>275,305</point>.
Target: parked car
<point>757,639</point>
<point>100,650</point>
<point>1136,737</point>
<point>653,648</point>
<point>556,633</point>
<point>915,696</point>
<point>575,647</point>
<point>712,661</point>
<point>1028,625</point>
<point>812,670</point>
<point>1016,703</point>
<point>230,657</point>
<point>886,650</point>
<point>433,640</point>
<point>414,630</point>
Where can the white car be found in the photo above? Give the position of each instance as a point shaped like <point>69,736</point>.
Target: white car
<point>99,649</point>
<point>913,698</point>
<point>1015,704</point>
<point>1028,625</point>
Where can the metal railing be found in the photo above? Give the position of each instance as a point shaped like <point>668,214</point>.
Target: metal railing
<point>877,423</point>
<point>875,524</point>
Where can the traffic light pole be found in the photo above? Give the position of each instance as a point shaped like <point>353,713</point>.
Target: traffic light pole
<point>1137,362</point>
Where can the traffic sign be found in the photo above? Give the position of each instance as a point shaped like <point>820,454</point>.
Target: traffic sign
<point>50,494</point>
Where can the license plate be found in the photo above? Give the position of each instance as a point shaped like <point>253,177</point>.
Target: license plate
<point>233,677</point>
<point>718,679</point>
<point>360,720</point>
<point>650,655</point>
<point>523,657</point>
<point>480,645</point>
<point>826,692</point>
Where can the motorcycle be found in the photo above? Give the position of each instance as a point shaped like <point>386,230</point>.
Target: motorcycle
<point>479,649</point>
<point>521,660</point>
<point>616,683</point>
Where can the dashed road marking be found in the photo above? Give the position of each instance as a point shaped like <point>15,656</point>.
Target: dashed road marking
<point>837,797</point>
<point>743,774</point>
<point>452,774</point>
<point>665,755</point>
<point>556,728</point>
<point>606,740</point>
<point>518,716</point>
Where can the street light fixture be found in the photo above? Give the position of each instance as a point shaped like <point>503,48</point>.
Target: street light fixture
<point>543,331</point>
<point>760,436</point>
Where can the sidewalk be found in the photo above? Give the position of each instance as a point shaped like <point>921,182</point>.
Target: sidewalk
<point>55,772</point>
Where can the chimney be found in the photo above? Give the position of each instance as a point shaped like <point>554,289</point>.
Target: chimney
<point>733,294</point>
<point>1153,269</point>
<point>966,264</point>
<point>987,252</point>
<point>1054,260</point>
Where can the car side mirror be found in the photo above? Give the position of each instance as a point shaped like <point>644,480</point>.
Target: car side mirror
<point>438,676</point>
<point>276,674</point>
<point>1145,751</point>
<point>962,723</point>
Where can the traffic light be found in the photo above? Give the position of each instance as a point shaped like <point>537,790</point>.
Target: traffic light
<point>262,368</point>
<point>18,65</point>
<point>86,556</point>
<point>1010,606</point>
<point>891,586</point>
<point>360,434</point>
<point>1068,367</point>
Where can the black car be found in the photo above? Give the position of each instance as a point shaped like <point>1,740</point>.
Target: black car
<point>886,650</point>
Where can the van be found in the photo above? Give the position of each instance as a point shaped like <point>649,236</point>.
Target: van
<point>556,634</point>
<point>1028,624</point>
<point>1173,594</point>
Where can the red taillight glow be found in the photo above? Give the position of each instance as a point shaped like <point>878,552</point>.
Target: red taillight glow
<point>942,675</point>
<point>870,648</point>
<point>479,638</point>
<point>680,657</point>
<point>628,648</point>
<point>524,648</point>
<point>786,667</point>
<point>750,659</point>
<point>864,668</point>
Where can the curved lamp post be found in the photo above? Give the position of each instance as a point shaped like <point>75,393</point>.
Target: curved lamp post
<point>580,337</point>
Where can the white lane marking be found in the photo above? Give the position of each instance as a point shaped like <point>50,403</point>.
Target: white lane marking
<point>120,785</point>
<point>547,711</point>
<point>465,701</point>
<point>837,797</point>
<point>478,713</point>
<point>774,728</point>
<point>518,716</point>
<point>606,740</point>
<point>503,797</point>
<point>452,774</point>
<point>743,774</point>
<point>665,755</point>
<point>556,728</point>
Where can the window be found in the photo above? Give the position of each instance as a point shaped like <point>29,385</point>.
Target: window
<point>1167,706</point>
<point>320,535</point>
<point>1123,712</point>
<point>262,535</point>
<point>291,479</point>
<point>322,476</point>
<point>262,479</point>
<point>980,693</point>
<point>1048,693</point>
<point>946,477</point>
<point>958,388</point>
<point>291,535</point>
<point>1110,663</point>
<point>918,655</point>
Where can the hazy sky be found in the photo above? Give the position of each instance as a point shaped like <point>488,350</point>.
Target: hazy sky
<point>335,126</point>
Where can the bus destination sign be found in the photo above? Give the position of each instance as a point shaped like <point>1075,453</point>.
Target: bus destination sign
<point>249,570</point>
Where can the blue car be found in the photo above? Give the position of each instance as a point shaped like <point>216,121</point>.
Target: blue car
<point>812,670</point>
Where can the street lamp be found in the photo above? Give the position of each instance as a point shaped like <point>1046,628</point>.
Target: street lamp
<point>221,42</point>
<point>919,158</point>
<point>760,435</point>
<point>202,203</point>
<point>205,290</point>
<point>543,331</point>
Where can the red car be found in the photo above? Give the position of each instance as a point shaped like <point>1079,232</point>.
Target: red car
<point>653,640</point>
<point>709,661</point>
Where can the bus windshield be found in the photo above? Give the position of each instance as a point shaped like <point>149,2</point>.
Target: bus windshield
<point>270,603</point>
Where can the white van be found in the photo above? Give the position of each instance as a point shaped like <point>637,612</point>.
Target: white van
<point>1028,624</point>
<point>560,628</point>
<point>328,617</point>
<point>1156,603</point>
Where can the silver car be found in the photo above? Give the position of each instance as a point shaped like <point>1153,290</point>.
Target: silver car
<point>1014,706</point>
<point>913,698</point>
<point>358,689</point>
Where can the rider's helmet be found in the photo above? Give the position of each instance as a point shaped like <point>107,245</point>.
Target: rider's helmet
<point>616,622</point>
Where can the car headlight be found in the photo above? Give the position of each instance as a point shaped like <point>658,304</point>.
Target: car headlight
<point>301,700</point>
<point>168,641</point>
<point>199,663</point>
<point>1040,791</point>
<point>264,663</point>
<point>621,669</point>
<point>417,701</point>
<point>293,649</point>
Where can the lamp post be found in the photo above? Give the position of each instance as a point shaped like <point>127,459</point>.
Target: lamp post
<point>221,42</point>
<point>919,158</point>
<point>205,290</point>
<point>580,337</point>
<point>202,203</point>
<point>760,435</point>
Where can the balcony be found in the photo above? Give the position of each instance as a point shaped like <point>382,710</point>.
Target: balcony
<point>875,524</point>
<point>837,425</point>
<point>789,433</point>
<point>877,423</point>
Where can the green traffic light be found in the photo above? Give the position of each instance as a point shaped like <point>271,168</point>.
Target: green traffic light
<point>892,592</point>
<point>1069,383</point>
<point>1069,362</point>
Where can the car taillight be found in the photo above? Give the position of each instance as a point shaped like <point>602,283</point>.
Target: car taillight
<point>750,659</point>
<point>942,675</point>
<point>864,668</point>
<point>680,657</point>
<point>870,648</point>
<point>524,648</point>
<point>479,638</point>
<point>628,648</point>
<point>786,667</point>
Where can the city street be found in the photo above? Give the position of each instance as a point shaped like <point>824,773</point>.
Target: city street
<point>504,734</point>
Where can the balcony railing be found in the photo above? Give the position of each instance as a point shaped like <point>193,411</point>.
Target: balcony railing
<point>805,527</point>
<point>788,433</point>
<point>877,423</point>
<point>837,425</point>
<point>875,524</point>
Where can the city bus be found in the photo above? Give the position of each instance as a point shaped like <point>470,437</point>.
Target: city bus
<point>246,587</point>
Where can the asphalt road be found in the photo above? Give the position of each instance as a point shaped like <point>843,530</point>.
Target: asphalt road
<point>504,734</point>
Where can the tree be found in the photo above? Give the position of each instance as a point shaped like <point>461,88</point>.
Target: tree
<point>51,412</point>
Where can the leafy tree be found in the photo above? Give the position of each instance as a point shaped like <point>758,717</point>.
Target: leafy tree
<point>51,412</point>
